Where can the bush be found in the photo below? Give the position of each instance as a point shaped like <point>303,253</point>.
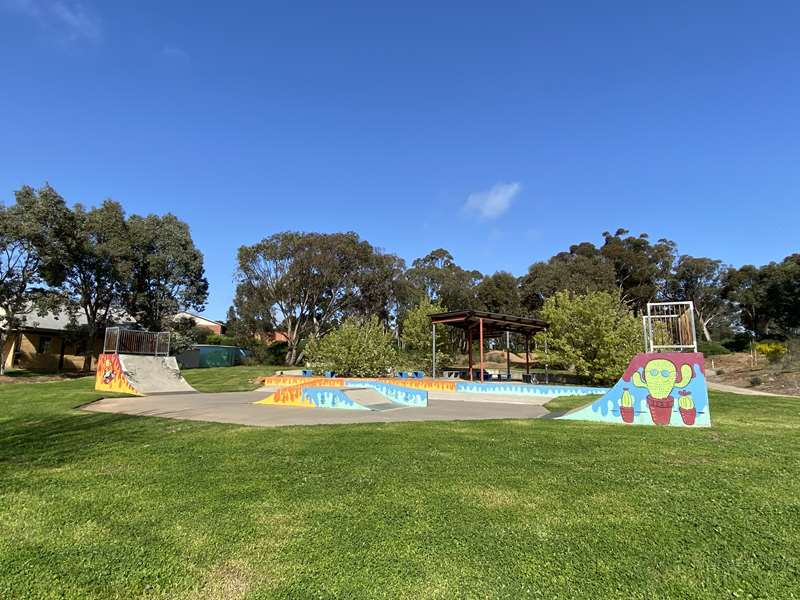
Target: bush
<point>594,332</point>
<point>755,381</point>
<point>739,343</point>
<point>216,339</point>
<point>773,350</point>
<point>264,354</point>
<point>712,348</point>
<point>358,348</point>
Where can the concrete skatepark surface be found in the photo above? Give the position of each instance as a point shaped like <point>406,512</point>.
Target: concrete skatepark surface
<point>238,408</point>
<point>149,374</point>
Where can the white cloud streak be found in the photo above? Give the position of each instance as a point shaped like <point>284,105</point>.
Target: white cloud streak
<point>71,20</point>
<point>494,202</point>
<point>174,52</point>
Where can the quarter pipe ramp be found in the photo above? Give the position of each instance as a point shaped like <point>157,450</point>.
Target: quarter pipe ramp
<point>139,374</point>
<point>656,389</point>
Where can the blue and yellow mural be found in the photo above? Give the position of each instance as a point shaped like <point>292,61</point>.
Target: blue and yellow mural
<point>408,392</point>
<point>331,392</point>
<point>656,389</point>
<point>526,389</point>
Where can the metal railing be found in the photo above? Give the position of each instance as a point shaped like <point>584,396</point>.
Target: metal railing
<point>669,327</point>
<point>130,341</point>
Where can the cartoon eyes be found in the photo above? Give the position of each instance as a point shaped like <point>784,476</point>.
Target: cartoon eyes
<point>664,373</point>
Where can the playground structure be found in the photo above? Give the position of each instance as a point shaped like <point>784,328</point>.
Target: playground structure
<point>138,362</point>
<point>385,393</point>
<point>669,367</point>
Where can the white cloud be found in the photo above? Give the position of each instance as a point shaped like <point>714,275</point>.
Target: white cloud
<point>493,203</point>
<point>72,20</point>
<point>174,52</point>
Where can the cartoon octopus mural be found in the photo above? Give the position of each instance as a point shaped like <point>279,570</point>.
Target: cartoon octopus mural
<point>646,393</point>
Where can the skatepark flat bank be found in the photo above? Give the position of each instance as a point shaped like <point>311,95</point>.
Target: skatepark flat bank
<point>239,408</point>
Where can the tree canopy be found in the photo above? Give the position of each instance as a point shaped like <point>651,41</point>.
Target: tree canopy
<point>595,333</point>
<point>99,263</point>
<point>306,283</point>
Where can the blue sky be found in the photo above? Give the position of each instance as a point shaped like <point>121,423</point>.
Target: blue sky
<point>503,132</point>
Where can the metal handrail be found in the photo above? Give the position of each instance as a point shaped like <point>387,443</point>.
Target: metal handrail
<point>131,341</point>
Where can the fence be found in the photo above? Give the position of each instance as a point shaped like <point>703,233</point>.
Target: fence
<point>669,327</point>
<point>130,341</point>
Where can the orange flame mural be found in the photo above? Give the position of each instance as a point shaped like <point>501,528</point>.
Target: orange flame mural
<point>110,376</point>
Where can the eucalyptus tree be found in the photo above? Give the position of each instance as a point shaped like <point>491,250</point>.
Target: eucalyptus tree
<point>24,233</point>
<point>304,284</point>
<point>164,271</point>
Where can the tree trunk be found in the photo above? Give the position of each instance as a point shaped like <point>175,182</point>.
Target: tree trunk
<point>87,359</point>
<point>3,337</point>
<point>706,332</point>
<point>291,341</point>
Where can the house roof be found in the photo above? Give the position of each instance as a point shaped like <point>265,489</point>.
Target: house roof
<point>194,316</point>
<point>61,320</point>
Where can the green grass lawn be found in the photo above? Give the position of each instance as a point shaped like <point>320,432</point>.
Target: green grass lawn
<point>111,506</point>
<point>227,379</point>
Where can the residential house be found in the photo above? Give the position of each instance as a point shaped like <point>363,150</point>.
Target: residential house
<point>52,342</point>
<point>213,326</point>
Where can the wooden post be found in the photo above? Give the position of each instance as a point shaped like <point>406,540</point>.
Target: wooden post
<point>469,351</point>
<point>508,356</point>
<point>546,359</point>
<point>61,353</point>
<point>433,373</point>
<point>527,354</point>
<point>480,337</point>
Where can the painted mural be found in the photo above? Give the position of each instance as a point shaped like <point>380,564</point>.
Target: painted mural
<point>526,389</point>
<point>111,376</point>
<point>440,385</point>
<point>409,392</point>
<point>656,389</point>
<point>399,394</point>
<point>321,392</point>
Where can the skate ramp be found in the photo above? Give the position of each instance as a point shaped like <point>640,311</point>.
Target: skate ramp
<point>656,389</point>
<point>371,399</point>
<point>140,374</point>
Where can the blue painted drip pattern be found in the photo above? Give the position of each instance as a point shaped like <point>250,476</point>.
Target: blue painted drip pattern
<point>330,398</point>
<point>543,391</point>
<point>395,393</point>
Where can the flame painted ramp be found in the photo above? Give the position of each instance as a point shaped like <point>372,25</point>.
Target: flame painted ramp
<point>140,375</point>
<point>349,394</point>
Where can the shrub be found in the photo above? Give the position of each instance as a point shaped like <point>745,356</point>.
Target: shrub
<point>594,332</point>
<point>712,348</point>
<point>755,381</point>
<point>739,343</point>
<point>360,348</point>
<point>773,350</point>
<point>216,339</point>
<point>264,354</point>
